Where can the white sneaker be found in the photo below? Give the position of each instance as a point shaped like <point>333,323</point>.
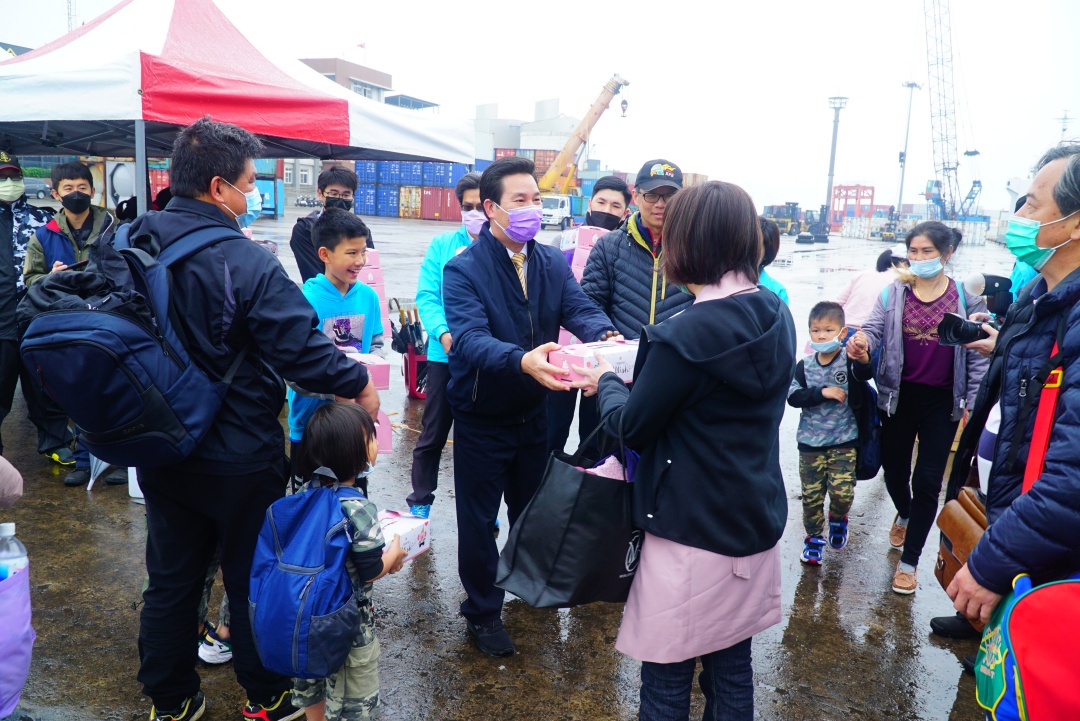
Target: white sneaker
<point>214,650</point>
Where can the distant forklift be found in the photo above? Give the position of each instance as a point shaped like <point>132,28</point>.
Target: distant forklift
<point>787,217</point>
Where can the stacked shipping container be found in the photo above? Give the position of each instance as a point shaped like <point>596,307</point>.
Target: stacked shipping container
<point>392,188</point>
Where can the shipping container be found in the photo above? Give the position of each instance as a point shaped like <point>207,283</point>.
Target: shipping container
<point>389,172</point>
<point>505,152</point>
<point>451,208</point>
<point>545,156</point>
<point>620,175</point>
<point>266,167</point>
<point>525,153</point>
<point>431,203</point>
<point>387,201</point>
<point>409,201</point>
<point>367,171</point>
<point>159,180</point>
<point>481,165</point>
<point>366,201</point>
<point>412,173</point>
<point>457,172</point>
<point>587,187</point>
<point>429,175</point>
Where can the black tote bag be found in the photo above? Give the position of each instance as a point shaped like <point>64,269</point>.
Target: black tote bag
<point>575,543</point>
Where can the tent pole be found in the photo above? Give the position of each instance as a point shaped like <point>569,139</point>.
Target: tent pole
<point>141,172</point>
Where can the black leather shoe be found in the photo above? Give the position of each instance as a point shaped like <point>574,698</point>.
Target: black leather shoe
<point>491,637</point>
<point>969,664</point>
<point>955,626</point>
<point>117,477</point>
<point>77,477</point>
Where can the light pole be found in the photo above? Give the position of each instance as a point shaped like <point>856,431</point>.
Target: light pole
<point>837,104</point>
<point>912,87</point>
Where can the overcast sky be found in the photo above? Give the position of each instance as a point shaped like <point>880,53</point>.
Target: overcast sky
<point>736,90</point>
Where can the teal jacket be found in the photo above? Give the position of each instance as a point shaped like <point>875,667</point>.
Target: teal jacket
<point>774,285</point>
<point>429,289</point>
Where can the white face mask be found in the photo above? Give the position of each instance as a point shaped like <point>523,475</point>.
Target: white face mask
<point>11,190</point>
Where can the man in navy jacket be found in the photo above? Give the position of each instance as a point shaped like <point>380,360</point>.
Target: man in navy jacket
<point>505,297</point>
<point>1035,532</point>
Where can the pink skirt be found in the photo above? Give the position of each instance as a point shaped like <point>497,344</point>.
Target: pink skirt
<point>686,602</point>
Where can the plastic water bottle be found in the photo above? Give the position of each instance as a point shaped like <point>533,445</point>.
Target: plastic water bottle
<point>12,553</point>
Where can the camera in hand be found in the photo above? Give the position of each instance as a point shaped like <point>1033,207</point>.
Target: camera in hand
<point>955,329</point>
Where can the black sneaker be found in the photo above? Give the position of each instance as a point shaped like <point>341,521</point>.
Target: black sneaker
<point>280,709</point>
<point>191,709</point>
<point>968,662</point>
<point>955,626</point>
<point>77,477</point>
<point>61,455</point>
<point>491,637</point>
<point>117,477</point>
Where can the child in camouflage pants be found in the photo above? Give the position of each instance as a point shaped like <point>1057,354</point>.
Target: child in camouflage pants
<point>341,437</point>
<point>828,431</point>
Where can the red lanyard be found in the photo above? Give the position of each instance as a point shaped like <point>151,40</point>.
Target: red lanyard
<point>1044,423</point>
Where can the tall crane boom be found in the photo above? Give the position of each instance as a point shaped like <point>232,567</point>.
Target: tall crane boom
<point>581,133</point>
<point>942,100</point>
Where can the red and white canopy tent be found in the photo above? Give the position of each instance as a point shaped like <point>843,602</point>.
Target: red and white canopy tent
<point>123,84</point>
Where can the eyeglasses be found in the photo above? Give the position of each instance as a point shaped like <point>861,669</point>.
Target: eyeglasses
<point>335,194</point>
<point>655,197</point>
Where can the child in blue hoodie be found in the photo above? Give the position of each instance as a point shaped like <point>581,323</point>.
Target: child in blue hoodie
<point>348,311</point>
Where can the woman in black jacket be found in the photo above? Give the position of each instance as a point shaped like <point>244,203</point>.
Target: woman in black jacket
<point>704,413</point>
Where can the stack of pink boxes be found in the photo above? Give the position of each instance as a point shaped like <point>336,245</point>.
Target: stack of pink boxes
<point>586,238</point>
<point>372,276</point>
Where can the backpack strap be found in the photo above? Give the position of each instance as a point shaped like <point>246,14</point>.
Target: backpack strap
<point>1044,416</point>
<point>1052,368</point>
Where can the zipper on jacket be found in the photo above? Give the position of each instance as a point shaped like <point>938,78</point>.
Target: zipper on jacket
<point>1023,382</point>
<point>652,298</point>
<point>476,385</point>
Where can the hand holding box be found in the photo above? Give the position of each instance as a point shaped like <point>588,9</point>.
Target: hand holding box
<point>621,354</point>
<point>413,532</point>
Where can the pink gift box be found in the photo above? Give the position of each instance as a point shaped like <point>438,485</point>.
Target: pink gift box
<point>567,338</point>
<point>371,276</point>
<point>621,354</point>
<point>372,259</point>
<point>384,433</point>
<point>413,532</point>
<point>378,368</point>
<point>587,237</point>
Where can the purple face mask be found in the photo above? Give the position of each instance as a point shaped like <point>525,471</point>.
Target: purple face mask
<point>474,220</point>
<point>524,222</point>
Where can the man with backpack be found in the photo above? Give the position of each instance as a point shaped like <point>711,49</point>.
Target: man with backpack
<point>228,298</point>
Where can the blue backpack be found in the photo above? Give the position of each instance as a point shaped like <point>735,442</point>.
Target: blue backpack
<point>115,360</point>
<point>303,611</point>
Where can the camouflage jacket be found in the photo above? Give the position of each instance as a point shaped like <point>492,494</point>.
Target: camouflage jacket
<point>366,534</point>
<point>28,218</point>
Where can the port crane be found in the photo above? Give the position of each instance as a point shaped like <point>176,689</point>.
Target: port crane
<point>944,191</point>
<point>552,181</point>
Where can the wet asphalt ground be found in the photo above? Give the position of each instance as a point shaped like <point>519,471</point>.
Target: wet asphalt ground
<point>848,648</point>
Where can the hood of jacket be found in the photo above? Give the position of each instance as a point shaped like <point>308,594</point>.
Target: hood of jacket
<point>324,294</point>
<point>749,345</point>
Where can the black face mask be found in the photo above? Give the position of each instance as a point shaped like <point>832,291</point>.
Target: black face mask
<point>600,219</point>
<point>342,203</point>
<point>76,202</point>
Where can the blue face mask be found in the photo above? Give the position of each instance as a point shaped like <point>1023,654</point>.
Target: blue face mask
<point>1021,236</point>
<point>366,472</point>
<point>826,346</point>
<point>254,206</point>
<point>926,268</point>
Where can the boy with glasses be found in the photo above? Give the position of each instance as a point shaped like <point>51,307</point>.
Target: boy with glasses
<point>337,189</point>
